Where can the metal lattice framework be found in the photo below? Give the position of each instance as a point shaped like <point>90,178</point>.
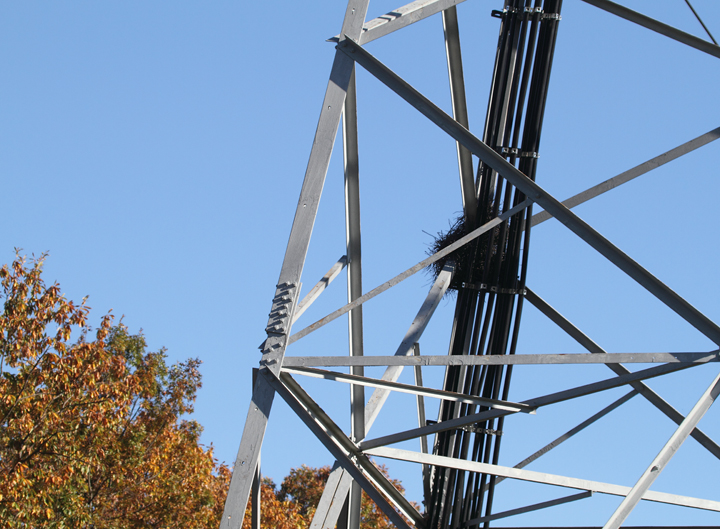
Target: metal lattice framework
<point>460,470</point>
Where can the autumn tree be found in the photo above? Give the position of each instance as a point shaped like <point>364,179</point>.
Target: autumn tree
<point>276,512</point>
<point>91,427</point>
<point>91,434</point>
<point>293,505</point>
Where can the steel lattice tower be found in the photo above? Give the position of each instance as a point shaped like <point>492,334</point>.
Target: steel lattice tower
<point>487,264</point>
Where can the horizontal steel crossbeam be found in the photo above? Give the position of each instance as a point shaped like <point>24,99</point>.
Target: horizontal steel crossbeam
<point>497,360</point>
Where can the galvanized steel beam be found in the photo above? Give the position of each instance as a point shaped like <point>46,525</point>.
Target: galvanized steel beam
<point>567,435</point>
<point>542,477</point>
<point>288,284</point>
<point>630,174</point>
<point>538,402</point>
<point>460,113</point>
<point>401,17</point>
<point>657,26</point>
<point>256,498</point>
<point>340,94</point>
<point>410,271</point>
<point>334,498</point>
<point>701,22</point>
<point>500,360</point>
<point>320,287</point>
<point>412,336</point>
<point>327,511</point>
<point>362,470</point>
<point>666,453</point>
<point>529,508</point>
<point>421,422</point>
<point>409,388</point>
<point>533,191</point>
<point>655,399</point>
<point>354,268</point>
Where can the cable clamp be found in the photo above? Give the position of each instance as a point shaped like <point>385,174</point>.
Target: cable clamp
<point>531,13</point>
<point>526,154</point>
<point>495,290</point>
<point>471,428</point>
<point>476,429</point>
<point>551,16</point>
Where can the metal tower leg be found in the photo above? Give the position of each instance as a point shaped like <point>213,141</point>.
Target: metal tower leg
<point>288,284</point>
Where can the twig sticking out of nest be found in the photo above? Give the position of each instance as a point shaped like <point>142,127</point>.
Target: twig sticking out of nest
<point>469,258</point>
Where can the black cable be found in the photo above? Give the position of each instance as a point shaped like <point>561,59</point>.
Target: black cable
<point>487,321</point>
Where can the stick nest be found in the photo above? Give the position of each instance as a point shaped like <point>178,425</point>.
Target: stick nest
<point>469,258</point>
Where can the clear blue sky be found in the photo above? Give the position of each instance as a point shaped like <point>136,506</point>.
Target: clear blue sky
<point>156,150</point>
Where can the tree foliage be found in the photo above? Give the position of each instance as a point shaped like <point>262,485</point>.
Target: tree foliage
<point>91,434</point>
<point>293,505</point>
<point>91,428</point>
